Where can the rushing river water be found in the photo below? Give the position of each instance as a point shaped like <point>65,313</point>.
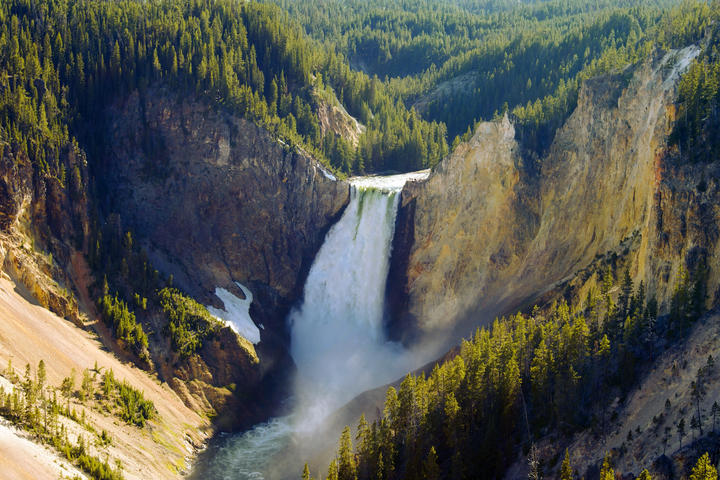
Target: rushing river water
<point>337,338</point>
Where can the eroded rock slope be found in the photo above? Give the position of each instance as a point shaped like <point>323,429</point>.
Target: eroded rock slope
<point>484,235</point>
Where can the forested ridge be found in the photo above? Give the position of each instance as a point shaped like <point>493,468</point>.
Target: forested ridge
<point>461,62</point>
<point>64,61</point>
<point>697,130</point>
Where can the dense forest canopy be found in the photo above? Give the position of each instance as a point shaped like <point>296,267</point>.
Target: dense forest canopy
<point>415,73</point>
<point>458,62</point>
<point>554,370</point>
<point>63,61</point>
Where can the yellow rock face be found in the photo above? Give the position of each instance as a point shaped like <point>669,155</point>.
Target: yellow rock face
<point>489,235</point>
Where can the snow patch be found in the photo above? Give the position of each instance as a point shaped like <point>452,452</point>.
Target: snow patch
<point>237,313</point>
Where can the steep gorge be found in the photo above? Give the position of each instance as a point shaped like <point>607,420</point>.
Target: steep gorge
<point>213,200</point>
<point>486,234</point>
<point>216,200</point>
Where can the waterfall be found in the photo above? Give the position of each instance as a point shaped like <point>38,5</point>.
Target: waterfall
<point>337,334</point>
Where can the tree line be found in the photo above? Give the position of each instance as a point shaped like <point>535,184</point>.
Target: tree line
<point>132,292</point>
<point>696,131</point>
<point>34,406</point>
<point>528,59</point>
<point>554,369</point>
<point>63,61</point>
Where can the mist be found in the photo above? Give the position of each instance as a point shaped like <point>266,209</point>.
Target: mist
<point>337,342</point>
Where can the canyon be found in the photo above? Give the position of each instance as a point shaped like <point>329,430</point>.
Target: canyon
<point>488,233</point>
<point>214,199</point>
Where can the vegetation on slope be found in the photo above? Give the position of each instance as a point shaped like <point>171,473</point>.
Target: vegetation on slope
<point>63,61</point>
<point>115,314</point>
<point>556,369</point>
<point>189,322</point>
<point>34,406</point>
<point>527,58</point>
<point>143,293</point>
<point>254,61</point>
<point>697,129</point>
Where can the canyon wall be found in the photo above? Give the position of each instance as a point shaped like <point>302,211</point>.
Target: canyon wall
<point>485,234</point>
<point>215,200</point>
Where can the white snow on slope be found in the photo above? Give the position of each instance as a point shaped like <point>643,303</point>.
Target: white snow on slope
<point>236,312</point>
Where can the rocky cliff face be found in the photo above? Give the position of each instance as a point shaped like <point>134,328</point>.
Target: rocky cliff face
<point>43,220</point>
<point>213,199</point>
<point>217,200</point>
<point>482,236</point>
<point>216,197</point>
<point>335,119</point>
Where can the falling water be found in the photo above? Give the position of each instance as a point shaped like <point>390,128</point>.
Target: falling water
<point>337,336</point>
<point>338,341</point>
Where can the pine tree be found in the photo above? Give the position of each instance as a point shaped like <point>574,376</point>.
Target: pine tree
<point>606,472</point>
<point>306,473</point>
<point>644,475</point>
<point>704,469</point>
<point>431,469</point>
<point>565,468</point>
<point>625,295</point>
<point>694,425</point>
<point>715,411</point>
<point>681,430</point>
<point>41,375</point>
<point>332,471</point>
<point>347,469</point>
<point>697,393</point>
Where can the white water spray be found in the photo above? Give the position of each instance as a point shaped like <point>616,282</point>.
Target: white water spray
<point>337,338</point>
<point>337,335</point>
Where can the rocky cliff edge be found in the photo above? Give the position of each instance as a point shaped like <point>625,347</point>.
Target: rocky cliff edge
<point>484,235</point>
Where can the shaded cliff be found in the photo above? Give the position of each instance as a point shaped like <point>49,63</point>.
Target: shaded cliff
<point>485,235</point>
<point>43,220</point>
<point>215,199</point>
<point>211,199</point>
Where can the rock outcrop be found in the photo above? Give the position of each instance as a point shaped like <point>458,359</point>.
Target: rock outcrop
<point>215,200</point>
<point>484,235</point>
<point>335,119</point>
<point>43,220</point>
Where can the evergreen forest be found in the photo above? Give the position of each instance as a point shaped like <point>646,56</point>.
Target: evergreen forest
<point>418,75</point>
